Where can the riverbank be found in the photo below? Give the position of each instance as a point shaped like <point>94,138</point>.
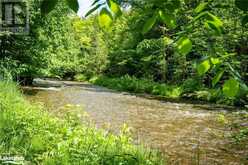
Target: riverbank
<point>30,133</point>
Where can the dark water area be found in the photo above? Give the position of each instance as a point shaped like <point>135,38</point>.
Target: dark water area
<point>186,133</point>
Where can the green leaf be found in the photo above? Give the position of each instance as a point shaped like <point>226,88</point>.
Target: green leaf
<point>115,8</point>
<point>167,41</point>
<point>149,23</point>
<point>184,45</point>
<point>231,88</point>
<point>215,61</point>
<point>244,20</point>
<point>202,6</point>
<point>201,15</point>
<point>168,19</point>
<point>214,23</point>
<point>242,4</point>
<point>47,6</point>
<point>217,77</point>
<point>73,4</point>
<point>105,18</point>
<point>203,67</point>
<point>93,9</point>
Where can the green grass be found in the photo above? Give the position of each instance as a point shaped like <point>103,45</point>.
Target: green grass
<point>191,89</point>
<point>135,85</point>
<point>30,132</point>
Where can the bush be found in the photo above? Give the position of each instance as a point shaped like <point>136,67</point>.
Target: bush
<point>29,131</point>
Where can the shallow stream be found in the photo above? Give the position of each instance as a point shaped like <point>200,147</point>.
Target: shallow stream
<point>186,133</point>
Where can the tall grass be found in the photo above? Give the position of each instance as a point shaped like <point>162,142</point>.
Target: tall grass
<point>29,131</point>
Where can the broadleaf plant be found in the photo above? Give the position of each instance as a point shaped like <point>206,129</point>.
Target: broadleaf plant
<point>231,88</point>
<point>184,45</point>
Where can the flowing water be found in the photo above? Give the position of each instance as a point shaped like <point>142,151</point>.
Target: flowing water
<point>186,133</point>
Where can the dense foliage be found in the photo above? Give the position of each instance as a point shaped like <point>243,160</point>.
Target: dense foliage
<point>30,132</point>
<point>176,48</point>
<point>201,45</point>
<point>195,49</point>
<point>198,45</point>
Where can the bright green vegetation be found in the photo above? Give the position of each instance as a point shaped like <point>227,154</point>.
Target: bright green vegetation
<point>198,44</point>
<point>195,49</point>
<point>132,84</point>
<point>27,130</point>
<point>190,89</point>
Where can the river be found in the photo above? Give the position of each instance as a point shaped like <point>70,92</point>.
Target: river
<point>185,133</point>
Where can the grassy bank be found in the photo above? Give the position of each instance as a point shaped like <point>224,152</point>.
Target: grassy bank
<point>189,90</point>
<point>132,84</point>
<point>28,131</point>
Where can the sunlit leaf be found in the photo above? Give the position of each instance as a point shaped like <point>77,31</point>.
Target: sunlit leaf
<point>202,6</point>
<point>231,88</point>
<point>167,41</point>
<point>168,19</point>
<point>149,23</point>
<point>242,4</point>
<point>201,15</point>
<point>217,77</point>
<point>73,4</point>
<point>114,7</point>
<point>203,67</point>
<point>215,19</point>
<point>215,61</point>
<point>184,45</point>
<point>214,23</point>
<point>47,6</point>
<point>147,59</point>
<point>105,18</point>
